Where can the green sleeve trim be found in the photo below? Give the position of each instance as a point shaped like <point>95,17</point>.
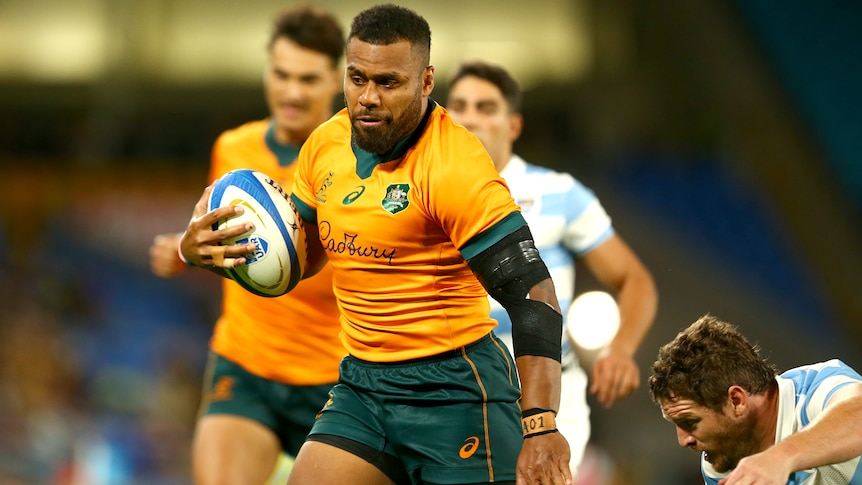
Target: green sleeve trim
<point>492,236</point>
<point>308,213</point>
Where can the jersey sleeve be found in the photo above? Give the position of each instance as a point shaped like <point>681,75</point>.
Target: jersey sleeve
<point>588,224</point>
<point>218,162</point>
<point>303,182</point>
<point>242,147</point>
<point>470,198</point>
<point>818,383</point>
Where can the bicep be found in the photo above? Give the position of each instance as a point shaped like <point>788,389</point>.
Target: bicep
<point>850,391</point>
<point>544,291</point>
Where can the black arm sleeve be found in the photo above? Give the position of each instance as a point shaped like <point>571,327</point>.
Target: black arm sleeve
<point>508,270</point>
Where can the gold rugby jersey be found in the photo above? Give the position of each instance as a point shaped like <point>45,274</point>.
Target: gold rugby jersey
<point>397,230</point>
<point>292,338</point>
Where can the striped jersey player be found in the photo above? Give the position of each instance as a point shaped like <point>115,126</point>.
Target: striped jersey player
<point>751,424</point>
<point>802,396</point>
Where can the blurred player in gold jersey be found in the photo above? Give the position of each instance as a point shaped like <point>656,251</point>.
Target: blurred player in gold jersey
<point>273,360</point>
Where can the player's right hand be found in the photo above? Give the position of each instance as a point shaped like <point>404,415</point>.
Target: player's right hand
<point>615,375</point>
<point>164,260</point>
<point>544,460</point>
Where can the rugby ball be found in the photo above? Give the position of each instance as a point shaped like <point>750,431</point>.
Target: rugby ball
<point>277,263</point>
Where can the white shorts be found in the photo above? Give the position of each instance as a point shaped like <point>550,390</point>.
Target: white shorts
<point>573,417</point>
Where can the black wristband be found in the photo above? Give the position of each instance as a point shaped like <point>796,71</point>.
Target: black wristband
<point>539,433</point>
<point>532,411</point>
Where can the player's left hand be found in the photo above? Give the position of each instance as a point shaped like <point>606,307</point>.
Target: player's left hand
<point>201,245</point>
<point>544,460</point>
<point>615,375</point>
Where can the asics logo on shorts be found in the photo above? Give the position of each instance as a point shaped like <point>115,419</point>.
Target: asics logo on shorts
<point>222,389</point>
<point>471,444</point>
<point>326,405</point>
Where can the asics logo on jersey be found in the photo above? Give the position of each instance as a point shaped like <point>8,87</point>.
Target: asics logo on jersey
<point>471,444</point>
<point>351,197</point>
<point>222,389</point>
<point>395,200</point>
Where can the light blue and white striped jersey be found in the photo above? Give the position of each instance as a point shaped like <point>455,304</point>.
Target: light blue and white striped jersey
<point>802,396</point>
<point>567,221</point>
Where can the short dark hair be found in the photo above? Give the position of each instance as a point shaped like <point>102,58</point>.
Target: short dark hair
<point>387,24</point>
<point>496,75</point>
<point>311,28</point>
<point>704,361</point>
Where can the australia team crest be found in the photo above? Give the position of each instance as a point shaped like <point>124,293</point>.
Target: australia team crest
<point>395,200</point>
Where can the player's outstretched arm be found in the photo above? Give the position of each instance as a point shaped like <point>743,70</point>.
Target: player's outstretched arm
<point>615,373</point>
<point>200,244</point>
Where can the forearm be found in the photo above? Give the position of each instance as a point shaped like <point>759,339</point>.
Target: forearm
<point>540,382</point>
<point>618,269</point>
<point>638,303</point>
<point>540,375</point>
<point>833,437</point>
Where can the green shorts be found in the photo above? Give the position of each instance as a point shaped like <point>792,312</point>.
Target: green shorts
<point>287,410</point>
<point>451,418</point>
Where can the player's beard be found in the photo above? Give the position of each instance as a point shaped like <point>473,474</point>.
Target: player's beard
<point>737,441</point>
<point>381,139</point>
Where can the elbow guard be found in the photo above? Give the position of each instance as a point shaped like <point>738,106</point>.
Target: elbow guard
<point>508,270</point>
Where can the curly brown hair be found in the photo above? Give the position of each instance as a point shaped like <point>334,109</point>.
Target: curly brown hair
<point>704,361</point>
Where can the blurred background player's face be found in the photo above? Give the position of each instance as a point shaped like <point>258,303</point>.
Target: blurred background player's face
<point>300,86</point>
<point>384,88</point>
<point>480,107</point>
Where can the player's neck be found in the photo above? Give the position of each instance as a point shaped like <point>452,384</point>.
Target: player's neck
<point>768,418</point>
<point>296,137</point>
<point>501,160</point>
<point>286,136</point>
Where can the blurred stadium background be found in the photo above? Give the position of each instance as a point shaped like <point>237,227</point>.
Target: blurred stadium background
<point>723,136</point>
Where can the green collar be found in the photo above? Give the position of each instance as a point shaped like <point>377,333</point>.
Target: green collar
<point>285,153</point>
<point>366,161</point>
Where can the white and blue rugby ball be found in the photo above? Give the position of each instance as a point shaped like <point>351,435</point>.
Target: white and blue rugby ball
<point>277,263</point>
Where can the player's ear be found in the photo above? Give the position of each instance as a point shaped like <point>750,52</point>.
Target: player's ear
<point>427,80</point>
<point>737,398</point>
